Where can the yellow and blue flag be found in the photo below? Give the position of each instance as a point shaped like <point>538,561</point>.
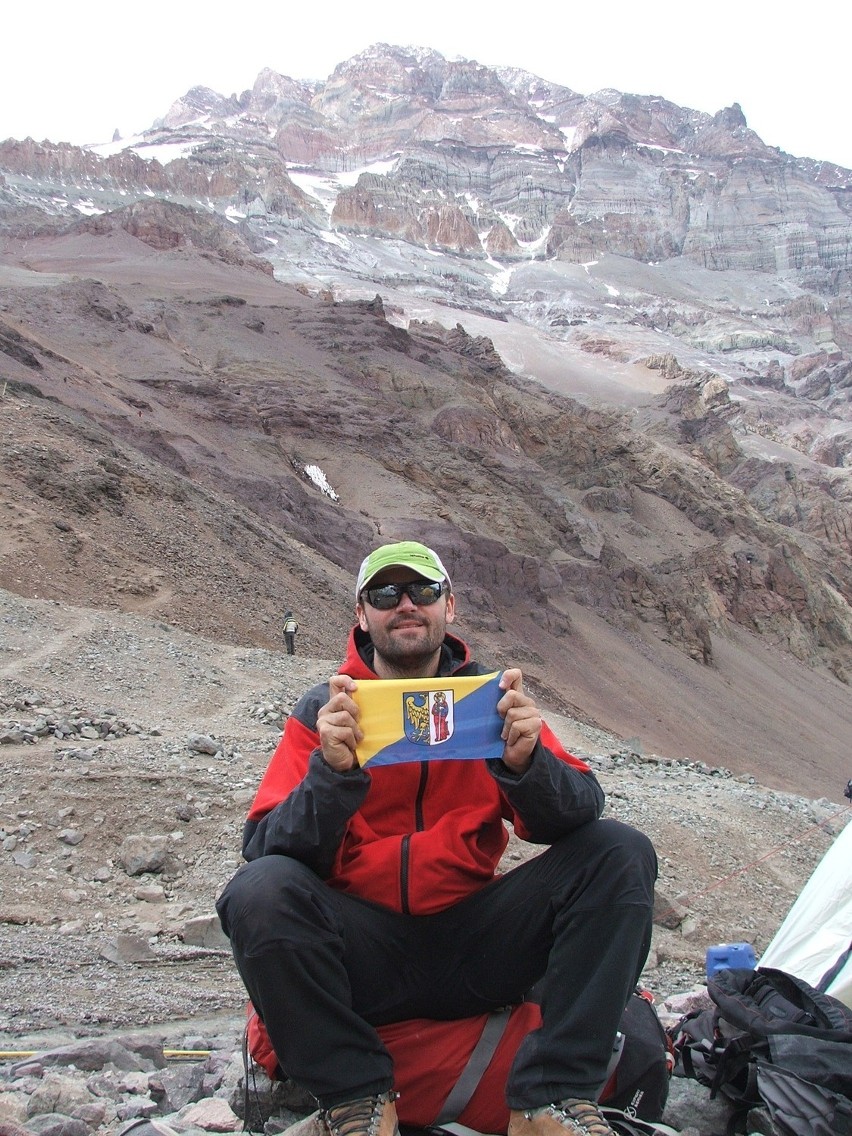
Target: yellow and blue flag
<point>436,719</point>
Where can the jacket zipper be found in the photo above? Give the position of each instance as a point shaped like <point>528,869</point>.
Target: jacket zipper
<point>406,840</point>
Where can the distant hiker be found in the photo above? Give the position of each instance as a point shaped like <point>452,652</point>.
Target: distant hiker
<point>371,895</point>
<point>290,629</point>
<point>847,792</point>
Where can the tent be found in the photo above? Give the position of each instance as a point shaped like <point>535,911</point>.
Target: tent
<point>815,940</point>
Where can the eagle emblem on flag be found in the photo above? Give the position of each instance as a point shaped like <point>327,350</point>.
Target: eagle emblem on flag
<point>428,716</point>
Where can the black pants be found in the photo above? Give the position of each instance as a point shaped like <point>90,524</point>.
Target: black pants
<point>290,641</point>
<point>323,968</point>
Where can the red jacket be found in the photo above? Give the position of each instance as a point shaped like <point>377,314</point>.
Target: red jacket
<point>416,837</point>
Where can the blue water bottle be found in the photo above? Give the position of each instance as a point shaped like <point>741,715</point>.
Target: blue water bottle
<point>730,956</point>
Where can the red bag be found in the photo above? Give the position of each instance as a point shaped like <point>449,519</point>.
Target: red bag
<point>457,1070</point>
<point>429,1059</point>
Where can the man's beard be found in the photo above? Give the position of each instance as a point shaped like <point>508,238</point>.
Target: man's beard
<point>408,652</point>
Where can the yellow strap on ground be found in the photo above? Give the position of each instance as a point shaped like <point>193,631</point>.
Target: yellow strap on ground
<point>175,1054</point>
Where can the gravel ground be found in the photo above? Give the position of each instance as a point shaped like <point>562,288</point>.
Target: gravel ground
<point>732,853</point>
<point>103,722</point>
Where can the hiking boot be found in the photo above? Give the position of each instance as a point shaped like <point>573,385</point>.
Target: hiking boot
<point>369,1116</point>
<point>571,1117</point>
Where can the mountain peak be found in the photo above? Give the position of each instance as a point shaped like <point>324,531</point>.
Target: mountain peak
<point>198,103</point>
<point>731,117</point>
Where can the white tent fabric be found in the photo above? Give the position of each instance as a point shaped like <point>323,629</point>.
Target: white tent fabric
<point>816,935</point>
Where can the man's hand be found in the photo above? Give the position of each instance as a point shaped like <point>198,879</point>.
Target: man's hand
<point>521,722</point>
<point>337,724</point>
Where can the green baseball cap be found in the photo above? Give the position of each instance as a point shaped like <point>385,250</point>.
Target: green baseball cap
<point>405,554</point>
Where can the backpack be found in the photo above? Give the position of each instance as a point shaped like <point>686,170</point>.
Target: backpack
<point>456,1071</point>
<point>773,1040</point>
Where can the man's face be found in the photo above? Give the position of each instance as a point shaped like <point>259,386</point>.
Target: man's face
<point>407,638</point>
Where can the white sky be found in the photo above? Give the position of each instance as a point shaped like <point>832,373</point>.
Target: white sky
<point>76,72</point>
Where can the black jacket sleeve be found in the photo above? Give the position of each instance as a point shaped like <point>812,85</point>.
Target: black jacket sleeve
<point>551,798</point>
<point>310,823</point>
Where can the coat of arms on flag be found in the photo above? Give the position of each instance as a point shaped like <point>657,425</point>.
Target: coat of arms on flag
<point>429,719</point>
<point>428,716</point>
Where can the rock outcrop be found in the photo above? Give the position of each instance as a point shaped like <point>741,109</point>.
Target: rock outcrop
<point>163,225</point>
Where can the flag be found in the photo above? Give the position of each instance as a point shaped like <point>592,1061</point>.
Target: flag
<point>436,719</point>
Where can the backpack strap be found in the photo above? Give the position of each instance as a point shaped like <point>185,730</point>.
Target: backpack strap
<point>697,1045</point>
<point>689,1067</point>
<point>736,1071</point>
<point>477,1063</point>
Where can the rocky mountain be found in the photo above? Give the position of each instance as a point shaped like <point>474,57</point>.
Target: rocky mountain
<point>596,348</point>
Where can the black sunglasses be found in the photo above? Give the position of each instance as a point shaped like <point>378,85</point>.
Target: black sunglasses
<point>420,592</point>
